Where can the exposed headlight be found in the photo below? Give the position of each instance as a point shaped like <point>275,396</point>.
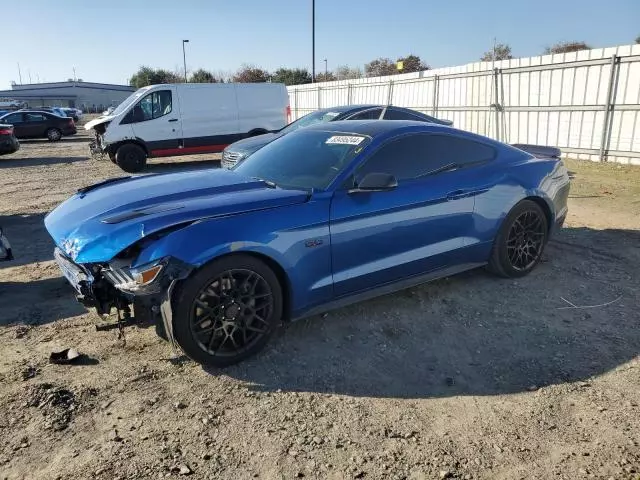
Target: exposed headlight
<point>136,280</point>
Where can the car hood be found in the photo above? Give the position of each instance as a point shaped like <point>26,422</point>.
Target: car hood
<point>252,144</point>
<point>98,121</point>
<point>100,221</point>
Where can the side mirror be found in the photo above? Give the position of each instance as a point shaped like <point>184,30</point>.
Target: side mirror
<point>376,182</point>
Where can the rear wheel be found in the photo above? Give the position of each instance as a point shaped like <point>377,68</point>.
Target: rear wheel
<point>131,158</point>
<point>227,311</point>
<point>520,242</point>
<point>53,134</point>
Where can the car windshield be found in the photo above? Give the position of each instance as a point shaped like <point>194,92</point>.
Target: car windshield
<point>128,101</point>
<point>306,160</point>
<point>310,119</point>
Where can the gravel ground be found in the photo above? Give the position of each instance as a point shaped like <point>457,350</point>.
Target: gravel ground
<point>471,377</point>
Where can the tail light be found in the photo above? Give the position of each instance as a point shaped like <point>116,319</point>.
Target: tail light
<point>6,131</point>
<point>288,112</point>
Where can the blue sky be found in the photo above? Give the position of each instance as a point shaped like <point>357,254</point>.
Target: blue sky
<point>107,42</point>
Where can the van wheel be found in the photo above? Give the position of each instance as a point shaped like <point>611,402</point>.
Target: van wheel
<point>131,158</point>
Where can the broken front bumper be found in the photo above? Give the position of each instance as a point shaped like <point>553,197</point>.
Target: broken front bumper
<point>104,288</point>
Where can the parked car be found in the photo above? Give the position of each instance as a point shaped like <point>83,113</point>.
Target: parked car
<point>241,149</point>
<point>225,255</point>
<point>37,124</point>
<point>73,113</point>
<point>55,110</point>
<point>8,141</point>
<point>180,119</point>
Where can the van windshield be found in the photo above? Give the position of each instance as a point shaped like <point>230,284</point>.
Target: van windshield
<point>130,100</point>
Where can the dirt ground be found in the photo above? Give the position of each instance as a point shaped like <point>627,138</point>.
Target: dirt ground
<point>471,377</point>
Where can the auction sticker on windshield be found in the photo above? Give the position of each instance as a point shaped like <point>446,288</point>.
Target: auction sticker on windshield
<point>345,140</point>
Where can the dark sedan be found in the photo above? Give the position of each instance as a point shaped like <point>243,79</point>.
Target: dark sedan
<point>37,124</point>
<point>242,149</point>
<point>8,141</point>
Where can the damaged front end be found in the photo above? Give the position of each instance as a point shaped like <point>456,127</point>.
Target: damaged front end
<point>97,146</point>
<point>123,294</point>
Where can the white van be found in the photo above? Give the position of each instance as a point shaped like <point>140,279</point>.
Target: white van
<point>186,118</point>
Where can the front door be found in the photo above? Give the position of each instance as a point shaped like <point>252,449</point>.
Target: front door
<point>420,226</point>
<point>156,121</point>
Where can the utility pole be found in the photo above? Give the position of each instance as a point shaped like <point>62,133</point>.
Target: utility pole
<point>19,73</point>
<point>325,70</point>
<point>313,41</point>
<point>74,74</point>
<point>184,60</point>
<point>29,72</point>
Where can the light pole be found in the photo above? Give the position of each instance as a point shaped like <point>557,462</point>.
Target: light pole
<point>184,60</point>
<point>325,69</point>
<point>313,40</point>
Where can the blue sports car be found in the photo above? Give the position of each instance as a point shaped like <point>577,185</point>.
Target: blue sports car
<point>325,216</point>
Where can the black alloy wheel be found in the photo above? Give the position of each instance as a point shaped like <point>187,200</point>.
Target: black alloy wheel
<point>227,311</point>
<point>526,240</point>
<point>519,245</point>
<point>229,315</point>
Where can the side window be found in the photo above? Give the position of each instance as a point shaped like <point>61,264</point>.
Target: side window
<point>373,114</point>
<point>35,117</point>
<point>13,118</point>
<point>416,155</point>
<point>393,114</point>
<point>154,105</point>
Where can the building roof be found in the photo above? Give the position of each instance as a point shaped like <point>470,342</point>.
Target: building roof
<point>78,84</point>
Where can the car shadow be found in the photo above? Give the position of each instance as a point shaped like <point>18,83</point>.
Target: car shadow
<point>472,334</point>
<point>30,242</point>
<point>15,161</point>
<point>37,302</point>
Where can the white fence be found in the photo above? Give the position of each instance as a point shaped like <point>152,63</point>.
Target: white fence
<point>586,103</point>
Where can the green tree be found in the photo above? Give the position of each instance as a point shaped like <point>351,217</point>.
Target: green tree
<point>344,72</point>
<point>566,47</point>
<point>325,77</point>
<point>151,76</point>
<point>379,67</point>
<point>291,76</point>
<point>412,63</point>
<point>250,74</point>
<point>502,51</point>
<point>203,76</point>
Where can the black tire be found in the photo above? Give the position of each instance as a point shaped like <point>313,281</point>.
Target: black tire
<point>53,134</point>
<point>131,158</point>
<point>112,157</point>
<point>516,249</point>
<point>217,292</point>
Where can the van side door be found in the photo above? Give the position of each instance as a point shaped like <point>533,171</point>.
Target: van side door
<point>209,115</point>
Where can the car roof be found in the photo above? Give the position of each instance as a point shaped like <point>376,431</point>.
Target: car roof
<point>349,108</point>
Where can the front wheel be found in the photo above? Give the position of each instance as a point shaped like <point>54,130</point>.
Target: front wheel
<point>227,311</point>
<point>131,158</point>
<point>518,247</point>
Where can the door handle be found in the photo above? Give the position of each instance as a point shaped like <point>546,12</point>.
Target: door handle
<point>173,120</point>
<point>456,194</point>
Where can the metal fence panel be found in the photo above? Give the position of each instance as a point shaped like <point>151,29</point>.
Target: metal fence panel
<point>587,103</point>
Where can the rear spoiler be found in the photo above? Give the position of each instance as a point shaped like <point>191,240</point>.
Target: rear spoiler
<point>539,151</point>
